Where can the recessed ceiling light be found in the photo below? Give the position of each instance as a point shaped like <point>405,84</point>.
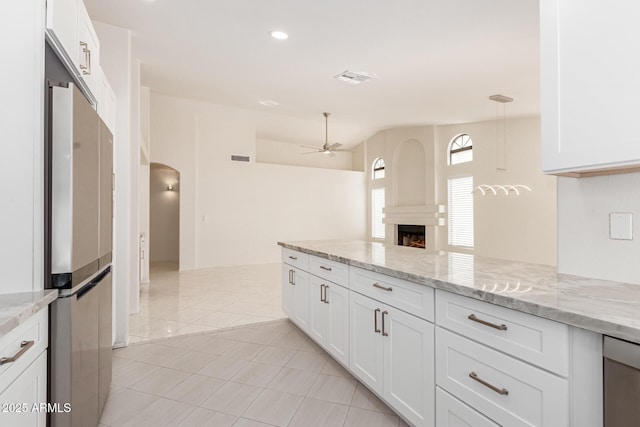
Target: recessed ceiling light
<point>279,35</point>
<point>268,103</point>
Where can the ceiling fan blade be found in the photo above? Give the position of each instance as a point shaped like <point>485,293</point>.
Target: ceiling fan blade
<point>312,152</point>
<point>335,146</point>
<point>312,147</point>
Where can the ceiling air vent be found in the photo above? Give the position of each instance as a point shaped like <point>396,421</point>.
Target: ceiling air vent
<point>237,158</point>
<point>353,77</point>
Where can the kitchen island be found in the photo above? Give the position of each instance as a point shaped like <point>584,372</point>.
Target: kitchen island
<point>454,339</point>
<point>605,307</point>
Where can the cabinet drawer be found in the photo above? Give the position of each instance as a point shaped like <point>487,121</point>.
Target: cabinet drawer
<point>450,412</point>
<point>333,271</point>
<point>410,297</point>
<point>295,258</point>
<point>33,330</point>
<point>539,341</point>
<point>509,391</point>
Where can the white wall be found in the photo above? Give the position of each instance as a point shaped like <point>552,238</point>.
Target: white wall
<point>143,179</point>
<point>21,159</point>
<point>285,153</point>
<point>519,228</point>
<point>123,74</point>
<point>233,213</point>
<point>584,246</point>
<point>164,209</point>
<point>516,228</point>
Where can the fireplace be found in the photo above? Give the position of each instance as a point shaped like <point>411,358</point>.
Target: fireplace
<point>411,235</point>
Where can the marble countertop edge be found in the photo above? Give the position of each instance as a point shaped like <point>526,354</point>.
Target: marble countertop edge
<point>607,321</point>
<point>16,308</point>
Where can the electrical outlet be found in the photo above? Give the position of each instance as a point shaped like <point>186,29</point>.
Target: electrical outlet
<point>621,226</point>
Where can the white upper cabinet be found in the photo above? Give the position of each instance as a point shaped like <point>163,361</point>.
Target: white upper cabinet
<point>589,85</point>
<point>88,51</point>
<point>71,34</point>
<point>62,21</point>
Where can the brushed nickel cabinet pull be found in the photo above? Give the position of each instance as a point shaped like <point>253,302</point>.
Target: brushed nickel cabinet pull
<point>292,277</point>
<point>375,320</point>
<point>24,346</point>
<point>326,301</point>
<point>384,334</point>
<point>321,297</point>
<point>88,71</point>
<point>473,317</point>
<point>502,391</point>
<point>85,50</point>
<point>295,258</point>
<point>384,288</point>
<point>324,267</point>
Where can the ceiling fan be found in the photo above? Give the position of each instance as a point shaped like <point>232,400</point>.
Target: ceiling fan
<point>327,148</point>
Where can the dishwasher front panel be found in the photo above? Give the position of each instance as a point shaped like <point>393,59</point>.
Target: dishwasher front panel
<point>621,383</point>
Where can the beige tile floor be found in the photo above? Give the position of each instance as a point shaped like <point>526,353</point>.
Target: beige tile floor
<point>179,303</point>
<point>266,374</point>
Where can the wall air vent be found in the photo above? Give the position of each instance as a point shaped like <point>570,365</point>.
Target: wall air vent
<point>237,158</point>
<point>353,77</point>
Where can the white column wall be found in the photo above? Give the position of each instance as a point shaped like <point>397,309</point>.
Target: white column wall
<point>22,152</point>
<point>115,50</point>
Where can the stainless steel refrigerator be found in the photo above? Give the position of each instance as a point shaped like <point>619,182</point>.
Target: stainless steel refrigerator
<point>80,196</point>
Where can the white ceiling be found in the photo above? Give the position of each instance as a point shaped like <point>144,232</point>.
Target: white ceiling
<point>436,61</point>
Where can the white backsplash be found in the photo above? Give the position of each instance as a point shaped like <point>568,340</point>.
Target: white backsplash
<point>584,246</point>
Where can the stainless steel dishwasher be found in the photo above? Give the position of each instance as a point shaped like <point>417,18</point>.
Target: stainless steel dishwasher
<point>621,383</point>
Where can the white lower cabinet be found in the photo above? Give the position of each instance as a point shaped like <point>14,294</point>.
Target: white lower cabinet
<point>505,389</point>
<point>476,365</point>
<point>392,353</point>
<point>23,373</point>
<point>21,401</point>
<point>450,412</point>
<point>367,347</point>
<point>286,290</point>
<point>329,317</point>
<point>295,295</point>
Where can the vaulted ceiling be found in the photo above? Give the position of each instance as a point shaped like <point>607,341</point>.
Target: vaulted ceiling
<point>434,61</point>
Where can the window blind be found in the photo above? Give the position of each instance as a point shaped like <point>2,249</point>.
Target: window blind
<point>461,211</point>
<point>377,204</point>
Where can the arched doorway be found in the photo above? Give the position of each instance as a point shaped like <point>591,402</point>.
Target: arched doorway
<point>164,218</point>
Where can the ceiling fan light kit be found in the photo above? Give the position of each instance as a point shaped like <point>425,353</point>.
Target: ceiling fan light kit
<point>326,148</point>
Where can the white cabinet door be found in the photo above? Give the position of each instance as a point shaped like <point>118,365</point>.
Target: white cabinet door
<point>301,299</point>
<point>408,365</point>
<point>88,56</point>
<point>62,21</point>
<point>29,389</point>
<point>318,313</point>
<point>287,289</point>
<point>366,344</point>
<point>450,412</point>
<point>589,85</point>
<point>337,339</point>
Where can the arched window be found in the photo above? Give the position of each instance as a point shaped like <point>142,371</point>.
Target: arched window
<point>377,199</point>
<point>378,169</point>
<point>460,149</point>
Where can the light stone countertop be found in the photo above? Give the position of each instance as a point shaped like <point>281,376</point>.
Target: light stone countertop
<point>17,308</point>
<point>606,307</point>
